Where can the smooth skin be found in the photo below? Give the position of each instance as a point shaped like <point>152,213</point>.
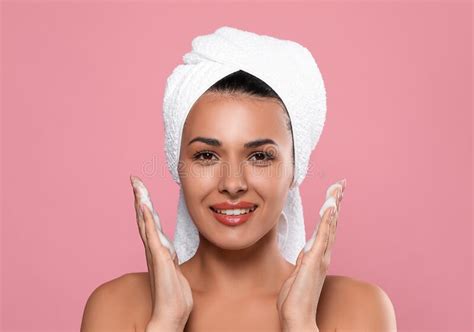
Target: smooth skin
<point>238,279</point>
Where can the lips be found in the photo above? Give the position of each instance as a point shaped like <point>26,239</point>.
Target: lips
<point>230,205</point>
<point>232,220</point>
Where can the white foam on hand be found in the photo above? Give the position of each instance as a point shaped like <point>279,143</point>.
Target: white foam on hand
<point>144,198</point>
<point>328,203</point>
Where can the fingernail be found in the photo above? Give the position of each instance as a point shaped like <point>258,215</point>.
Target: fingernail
<point>343,183</point>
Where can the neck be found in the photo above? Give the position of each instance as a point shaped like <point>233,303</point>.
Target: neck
<point>259,268</point>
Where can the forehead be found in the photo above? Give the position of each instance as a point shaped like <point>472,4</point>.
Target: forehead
<point>236,118</point>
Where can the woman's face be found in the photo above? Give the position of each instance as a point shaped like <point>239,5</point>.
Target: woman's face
<point>221,168</point>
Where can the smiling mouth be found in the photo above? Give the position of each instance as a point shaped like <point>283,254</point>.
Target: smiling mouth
<point>234,212</point>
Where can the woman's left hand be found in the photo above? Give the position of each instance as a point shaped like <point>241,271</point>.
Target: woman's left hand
<point>299,295</point>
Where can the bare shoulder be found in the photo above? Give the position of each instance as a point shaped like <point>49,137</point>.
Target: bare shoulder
<point>361,305</point>
<point>110,307</point>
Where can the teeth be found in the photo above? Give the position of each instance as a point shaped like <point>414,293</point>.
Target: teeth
<point>235,212</point>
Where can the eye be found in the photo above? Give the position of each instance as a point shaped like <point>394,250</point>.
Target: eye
<point>206,156</point>
<point>263,157</point>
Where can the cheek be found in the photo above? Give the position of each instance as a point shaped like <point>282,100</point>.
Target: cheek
<point>198,187</point>
<point>270,188</point>
<point>198,183</point>
<point>196,190</point>
<point>273,180</point>
<point>194,175</point>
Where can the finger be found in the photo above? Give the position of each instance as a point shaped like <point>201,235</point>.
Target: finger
<point>332,236</point>
<point>335,220</point>
<point>141,228</point>
<point>162,243</point>
<point>313,241</point>
<point>138,212</point>
<point>334,196</point>
<point>141,223</point>
<point>148,255</point>
<point>151,232</point>
<point>139,215</point>
<point>163,266</point>
<point>143,195</point>
<point>340,195</point>
<point>317,244</point>
<point>332,199</point>
<point>174,257</point>
<point>341,184</point>
<point>299,259</point>
<point>314,263</point>
<point>335,191</point>
<point>151,274</point>
<point>144,198</point>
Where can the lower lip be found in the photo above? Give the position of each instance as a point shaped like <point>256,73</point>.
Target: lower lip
<point>232,220</point>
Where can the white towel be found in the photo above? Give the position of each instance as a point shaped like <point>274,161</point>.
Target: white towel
<point>291,71</point>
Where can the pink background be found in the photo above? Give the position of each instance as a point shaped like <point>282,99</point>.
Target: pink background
<point>82,89</point>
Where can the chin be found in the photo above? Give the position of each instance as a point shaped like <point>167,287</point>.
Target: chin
<point>228,238</point>
<point>240,245</point>
<point>228,241</point>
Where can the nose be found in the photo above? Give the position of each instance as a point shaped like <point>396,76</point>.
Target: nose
<point>233,181</point>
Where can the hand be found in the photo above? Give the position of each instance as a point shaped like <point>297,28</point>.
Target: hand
<point>172,300</point>
<point>299,296</point>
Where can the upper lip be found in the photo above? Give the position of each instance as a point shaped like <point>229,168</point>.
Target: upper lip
<point>230,205</point>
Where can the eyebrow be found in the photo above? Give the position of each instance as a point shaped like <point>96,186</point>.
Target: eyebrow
<point>248,145</point>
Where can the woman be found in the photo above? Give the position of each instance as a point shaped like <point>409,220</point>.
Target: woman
<point>241,158</point>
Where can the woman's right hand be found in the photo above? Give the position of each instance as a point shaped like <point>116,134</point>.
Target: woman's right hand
<point>171,294</point>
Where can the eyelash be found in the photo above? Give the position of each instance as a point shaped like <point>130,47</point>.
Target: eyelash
<point>198,154</point>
